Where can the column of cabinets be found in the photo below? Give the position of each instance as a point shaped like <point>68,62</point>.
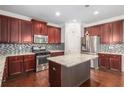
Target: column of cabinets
<point>110,33</point>
<point>14,30</point>
<point>54,34</point>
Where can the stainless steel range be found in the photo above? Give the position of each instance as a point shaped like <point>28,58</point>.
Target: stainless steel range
<point>41,58</point>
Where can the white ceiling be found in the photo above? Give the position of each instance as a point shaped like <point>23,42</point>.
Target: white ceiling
<point>68,12</point>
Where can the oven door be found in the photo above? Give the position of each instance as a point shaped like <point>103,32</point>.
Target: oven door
<point>41,59</point>
<point>41,62</point>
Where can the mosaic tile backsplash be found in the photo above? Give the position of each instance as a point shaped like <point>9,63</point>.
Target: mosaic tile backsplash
<point>114,48</point>
<point>23,48</point>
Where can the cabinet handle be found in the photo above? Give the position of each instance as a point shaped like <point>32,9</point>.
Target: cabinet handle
<point>54,69</point>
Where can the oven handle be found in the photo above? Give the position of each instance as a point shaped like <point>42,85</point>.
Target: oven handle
<point>41,56</point>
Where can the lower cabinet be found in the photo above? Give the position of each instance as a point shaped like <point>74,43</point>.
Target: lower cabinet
<point>115,62</point>
<point>29,63</point>
<point>104,61</point>
<point>54,74</point>
<point>16,65</point>
<point>110,61</point>
<point>57,54</point>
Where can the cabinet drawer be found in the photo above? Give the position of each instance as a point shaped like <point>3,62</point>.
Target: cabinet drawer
<point>29,57</point>
<point>116,56</point>
<point>15,58</point>
<point>57,54</point>
<point>103,55</point>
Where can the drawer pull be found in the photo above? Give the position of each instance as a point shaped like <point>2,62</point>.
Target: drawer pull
<point>54,69</point>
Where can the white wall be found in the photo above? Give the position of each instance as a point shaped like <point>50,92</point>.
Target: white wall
<point>72,38</point>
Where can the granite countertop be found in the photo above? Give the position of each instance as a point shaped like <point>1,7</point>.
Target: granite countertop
<point>3,60</point>
<point>52,51</point>
<point>72,59</point>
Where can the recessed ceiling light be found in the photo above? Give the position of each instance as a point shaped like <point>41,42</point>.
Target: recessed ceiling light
<point>74,20</point>
<point>57,13</point>
<point>96,13</point>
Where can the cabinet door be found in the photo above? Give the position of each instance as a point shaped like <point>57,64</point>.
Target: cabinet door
<point>54,74</point>
<point>117,32</point>
<point>26,32</point>
<point>51,35</point>
<point>4,29</point>
<point>115,62</point>
<point>14,30</point>
<point>104,61</point>
<point>106,33</point>
<point>43,29</point>
<point>29,63</point>
<point>36,28</point>
<point>93,31</point>
<point>57,35</point>
<point>15,65</point>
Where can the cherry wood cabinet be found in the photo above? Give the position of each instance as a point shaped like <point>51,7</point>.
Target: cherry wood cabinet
<point>54,74</point>
<point>93,31</point>
<point>15,65</point>
<point>39,27</point>
<point>117,32</point>
<point>57,54</point>
<point>14,29</point>
<point>26,31</point>
<point>29,63</point>
<point>54,34</point>
<point>110,33</point>
<point>104,61</point>
<point>4,29</point>
<point>51,34</point>
<point>115,62</point>
<point>106,33</point>
<point>110,61</point>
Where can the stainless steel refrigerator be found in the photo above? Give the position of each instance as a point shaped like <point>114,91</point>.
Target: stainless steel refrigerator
<point>91,45</point>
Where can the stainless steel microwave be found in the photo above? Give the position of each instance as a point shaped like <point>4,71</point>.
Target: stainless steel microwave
<point>40,39</point>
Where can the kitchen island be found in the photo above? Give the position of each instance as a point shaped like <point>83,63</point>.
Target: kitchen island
<point>69,70</point>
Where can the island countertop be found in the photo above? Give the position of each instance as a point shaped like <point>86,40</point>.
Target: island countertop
<point>72,59</point>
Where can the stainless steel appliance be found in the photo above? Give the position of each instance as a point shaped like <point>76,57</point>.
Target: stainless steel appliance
<point>40,39</point>
<point>91,45</point>
<point>41,58</point>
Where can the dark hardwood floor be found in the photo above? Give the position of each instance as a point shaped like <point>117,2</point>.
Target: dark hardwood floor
<point>99,78</point>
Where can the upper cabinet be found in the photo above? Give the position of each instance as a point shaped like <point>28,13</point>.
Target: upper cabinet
<point>110,33</point>
<point>117,32</point>
<point>39,27</point>
<point>26,31</point>
<point>54,34</point>
<point>4,29</point>
<point>14,30</point>
<point>105,33</point>
<point>93,31</point>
